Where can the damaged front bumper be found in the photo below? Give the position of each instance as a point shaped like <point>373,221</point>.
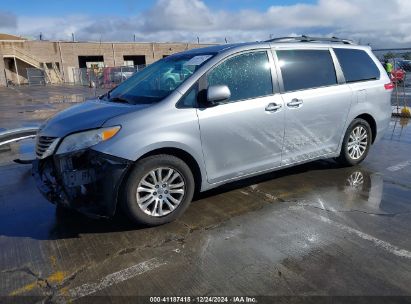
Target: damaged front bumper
<point>87,180</point>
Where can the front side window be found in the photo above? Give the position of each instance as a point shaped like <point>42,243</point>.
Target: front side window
<point>189,100</point>
<point>247,76</point>
<point>158,80</point>
<point>306,69</point>
<point>357,65</point>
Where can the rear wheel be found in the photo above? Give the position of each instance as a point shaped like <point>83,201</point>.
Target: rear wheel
<point>158,190</point>
<point>356,143</point>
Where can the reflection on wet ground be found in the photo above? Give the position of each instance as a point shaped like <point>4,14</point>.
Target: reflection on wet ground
<point>399,130</point>
<point>29,106</point>
<point>316,229</point>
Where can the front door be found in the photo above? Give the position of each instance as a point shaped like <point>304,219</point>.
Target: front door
<point>244,134</point>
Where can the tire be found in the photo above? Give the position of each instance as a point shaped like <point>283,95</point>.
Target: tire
<point>163,194</point>
<point>348,157</point>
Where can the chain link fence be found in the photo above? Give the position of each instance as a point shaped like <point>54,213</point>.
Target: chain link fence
<point>107,77</point>
<point>401,97</point>
<point>399,61</point>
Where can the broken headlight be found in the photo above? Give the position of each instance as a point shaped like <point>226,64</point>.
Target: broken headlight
<point>83,140</point>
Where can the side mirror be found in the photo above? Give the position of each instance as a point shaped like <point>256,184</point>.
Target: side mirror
<point>218,93</point>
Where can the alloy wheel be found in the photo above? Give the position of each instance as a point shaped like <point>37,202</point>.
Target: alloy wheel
<point>160,191</point>
<point>357,142</point>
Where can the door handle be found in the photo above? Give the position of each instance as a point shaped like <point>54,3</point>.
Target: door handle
<point>273,107</point>
<point>295,103</point>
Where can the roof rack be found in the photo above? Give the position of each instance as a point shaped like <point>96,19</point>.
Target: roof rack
<point>305,38</point>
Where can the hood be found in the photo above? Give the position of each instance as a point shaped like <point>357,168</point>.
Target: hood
<point>88,115</point>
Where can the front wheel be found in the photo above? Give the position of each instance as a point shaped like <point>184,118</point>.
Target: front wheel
<point>356,143</point>
<point>158,190</point>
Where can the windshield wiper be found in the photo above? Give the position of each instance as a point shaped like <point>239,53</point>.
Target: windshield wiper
<point>106,95</point>
<point>103,96</point>
<point>119,99</point>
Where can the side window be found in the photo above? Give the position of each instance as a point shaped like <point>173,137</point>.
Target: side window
<point>357,65</point>
<point>189,100</point>
<point>247,76</point>
<point>306,69</point>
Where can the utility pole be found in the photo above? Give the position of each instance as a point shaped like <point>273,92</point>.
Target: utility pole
<point>114,54</point>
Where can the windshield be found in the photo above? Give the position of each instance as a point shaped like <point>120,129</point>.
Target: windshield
<point>158,80</point>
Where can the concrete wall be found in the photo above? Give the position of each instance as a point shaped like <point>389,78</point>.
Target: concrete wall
<point>66,53</point>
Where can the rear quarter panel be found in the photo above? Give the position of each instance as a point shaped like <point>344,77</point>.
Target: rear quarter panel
<point>371,97</point>
<point>377,103</point>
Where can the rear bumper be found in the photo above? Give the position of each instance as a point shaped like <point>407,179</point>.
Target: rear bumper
<point>87,181</point>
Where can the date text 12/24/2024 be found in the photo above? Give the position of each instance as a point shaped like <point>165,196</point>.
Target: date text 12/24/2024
<point>203,299</point>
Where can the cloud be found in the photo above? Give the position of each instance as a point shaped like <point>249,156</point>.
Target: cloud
<point>177,15</point>
<point>52,27</point>
<point>7,20</point>
<point>382,23</point>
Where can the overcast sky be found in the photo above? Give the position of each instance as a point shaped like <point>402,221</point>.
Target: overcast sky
<point>383,23</point>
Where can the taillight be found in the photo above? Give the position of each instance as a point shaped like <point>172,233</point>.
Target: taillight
<point>389,86</point>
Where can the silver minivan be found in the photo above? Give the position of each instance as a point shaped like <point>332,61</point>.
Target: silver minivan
<point>230,112</point>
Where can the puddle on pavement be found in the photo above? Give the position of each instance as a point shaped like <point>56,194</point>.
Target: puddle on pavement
<point>71,98</point>
<point>74,98</point>
<point>399,129</point>
<point>338,189</point>
<point>39,107</point>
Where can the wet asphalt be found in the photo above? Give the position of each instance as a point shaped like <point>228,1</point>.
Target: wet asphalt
<point>312,230</point>
<point>27,106</point>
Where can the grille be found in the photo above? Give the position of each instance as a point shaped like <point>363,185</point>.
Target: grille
<point>42,144</point>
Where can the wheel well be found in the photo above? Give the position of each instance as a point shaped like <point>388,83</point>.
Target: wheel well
<point>184,156</point>
<point>373,125</point>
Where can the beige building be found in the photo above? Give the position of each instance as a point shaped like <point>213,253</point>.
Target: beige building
<point>58,58</point>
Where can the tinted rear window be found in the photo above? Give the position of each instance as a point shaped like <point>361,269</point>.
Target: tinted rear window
<point>357,65</point>
<point>305,69</point>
